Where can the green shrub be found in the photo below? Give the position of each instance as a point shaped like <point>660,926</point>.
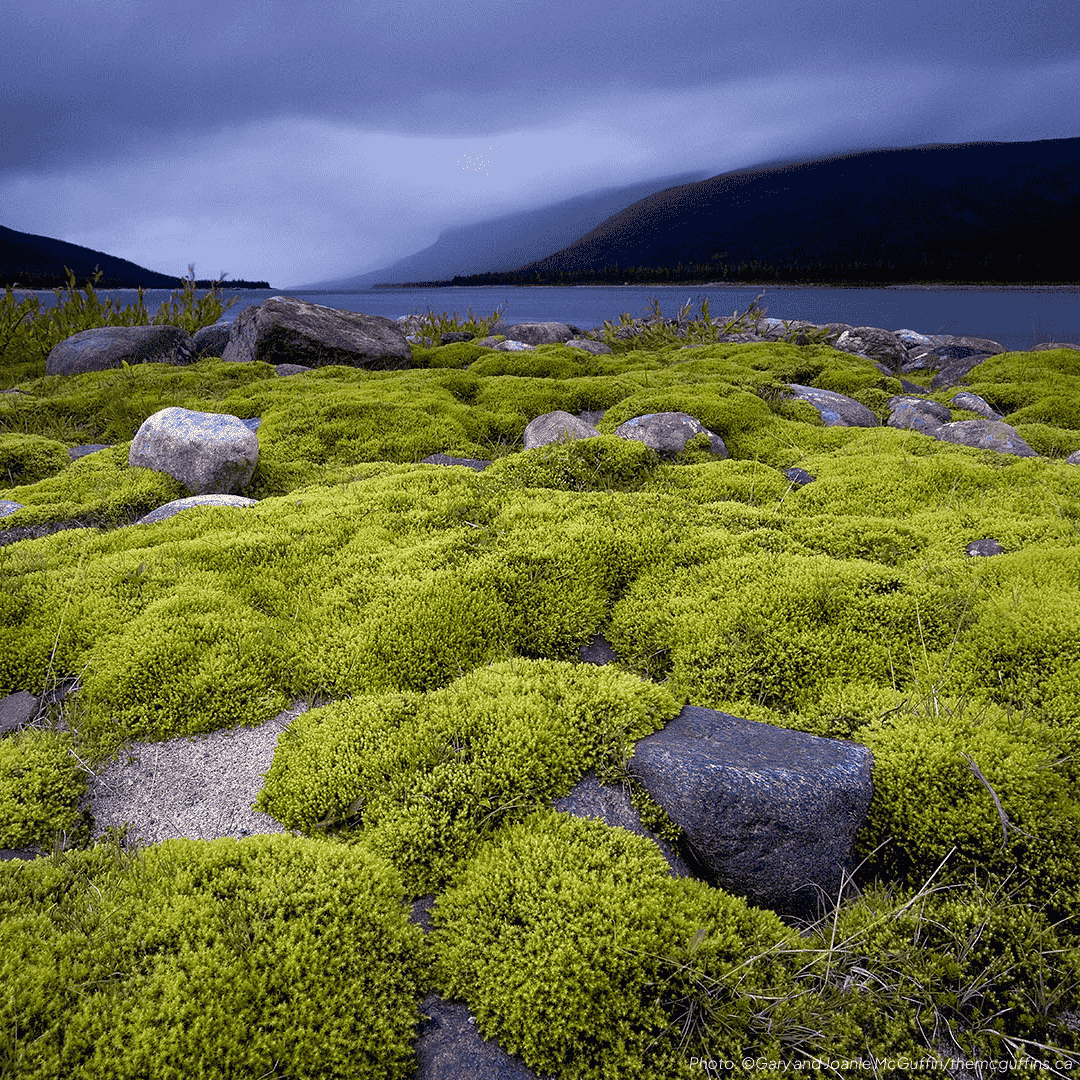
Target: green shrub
<point>216,959</point>
<point>41,783</point>
<point>577,951</point>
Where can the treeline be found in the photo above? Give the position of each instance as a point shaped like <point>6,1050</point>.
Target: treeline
<point>984,268</point>
<point>36,281</point>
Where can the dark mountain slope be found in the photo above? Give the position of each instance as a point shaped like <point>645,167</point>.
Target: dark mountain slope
<point>38,262</point>
<point>975,211</point>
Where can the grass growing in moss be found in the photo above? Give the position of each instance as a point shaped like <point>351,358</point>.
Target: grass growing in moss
<point>439,612</point>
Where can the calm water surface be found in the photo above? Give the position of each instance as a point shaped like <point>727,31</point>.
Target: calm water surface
<point>1018,317</point>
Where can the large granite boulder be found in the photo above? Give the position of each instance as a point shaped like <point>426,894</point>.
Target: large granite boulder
<point>769,813</point>
<point>986,435</point>
<point>873,343</point>
<point>113,346</point>
<point>668,432</point>
<point>539,333</point>
<point>211,340</point>
<point>974,403</point>
<point>553,426</point>
<point>210,453</point>
<point>283,330</point>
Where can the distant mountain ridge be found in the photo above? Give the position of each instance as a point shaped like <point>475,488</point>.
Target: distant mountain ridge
<point>503,243</point>
<point>37,262</point>
<point>967,212</point>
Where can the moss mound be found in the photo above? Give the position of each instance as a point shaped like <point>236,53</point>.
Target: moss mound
<point>219,959</point>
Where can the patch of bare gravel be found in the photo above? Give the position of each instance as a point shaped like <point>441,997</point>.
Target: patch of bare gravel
<point>200,787</point>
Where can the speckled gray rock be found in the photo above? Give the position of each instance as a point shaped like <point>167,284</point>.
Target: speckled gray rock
<point>907,417</point>
<point>597,348</point>
<point>9,507</point>
<point>513,346</point>
<point>553,426</point>
<point>875,344</point>
<point>210,453</point>
<point>931,408</point>
<point>1072,459</point>
<point>211,340</point>
<point>836,409</point>
<point>974,403</point>
<point>771,814</point>
<point>986,435</point>
<point>668,432</point>
<point>539,333</point>
<point>177,505</point>
<point>284,330</point>
<point>985,547</point>
<point>16,711</point>
<point>113,346</point>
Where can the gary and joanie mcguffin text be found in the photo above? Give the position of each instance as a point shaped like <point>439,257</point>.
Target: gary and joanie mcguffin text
<point>872,1065</point>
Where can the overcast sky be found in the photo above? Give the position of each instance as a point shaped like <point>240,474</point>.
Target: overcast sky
<point>297,142</point>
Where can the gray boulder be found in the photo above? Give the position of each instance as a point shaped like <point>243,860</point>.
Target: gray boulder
<point>668,432</point>
<point>211,340</point>
<point>1072,459</point>
<point>113,346</point>
<point>597,348</point>
<point>210,453</point>
<point>836,409</point>
<point>283,330</point>
<point>1055,345</point>
<point>162,513</point>
<point>769,813</point>
<point>930,408</point>
<point>985,547</point>
<point>9,507</point>
<point>539,333</point>
<point>875,344</point>
<point>510,346</point>
<point>974,403</point>
<point>986,435</point>
<point>553,426</point>
<point>907,417</point>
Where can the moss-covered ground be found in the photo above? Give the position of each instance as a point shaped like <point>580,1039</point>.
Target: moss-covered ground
<point>434,615</point>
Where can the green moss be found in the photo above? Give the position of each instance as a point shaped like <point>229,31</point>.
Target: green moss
<point>577,951</point>
<point>40,785</point>
<point>100,489</point>
<point>600,463</point>
<point>222,959</point>
<point>423,778</point>
<point>931,806</point>
<point>25,459</point>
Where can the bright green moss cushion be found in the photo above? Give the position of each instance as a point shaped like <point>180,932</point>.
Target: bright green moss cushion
<point>422,778</point>
<point>575,949</point>
<point>214,959</point>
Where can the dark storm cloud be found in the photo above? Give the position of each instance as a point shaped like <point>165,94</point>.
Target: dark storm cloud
<point>177,125</point>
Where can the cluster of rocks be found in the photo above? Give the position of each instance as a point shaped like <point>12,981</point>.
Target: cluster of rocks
<point>214,455</point>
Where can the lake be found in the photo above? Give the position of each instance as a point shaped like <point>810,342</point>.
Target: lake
<point>1016,316</point>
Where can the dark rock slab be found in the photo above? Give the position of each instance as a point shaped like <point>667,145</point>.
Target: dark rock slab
<point>769,813</point>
